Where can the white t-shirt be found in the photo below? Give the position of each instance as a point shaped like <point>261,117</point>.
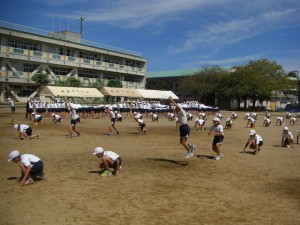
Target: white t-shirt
<point>217,129</point>
<point>112,114</point>
<point>73,114</point>
<point>112,155</point>
<point>23,127</point>
<point>287,135</point>
<point>27,159</point>
<point>256,137</point>
<point>182,119</point>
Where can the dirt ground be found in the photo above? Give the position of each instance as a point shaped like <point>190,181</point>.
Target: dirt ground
<point>157,185</point>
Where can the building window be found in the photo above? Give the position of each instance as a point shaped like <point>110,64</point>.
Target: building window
<point>29,67</point>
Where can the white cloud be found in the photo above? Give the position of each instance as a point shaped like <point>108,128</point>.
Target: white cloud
<point>223,33</point>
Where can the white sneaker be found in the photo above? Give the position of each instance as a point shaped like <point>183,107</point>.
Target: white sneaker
<point>192,148</point>
<point>218,157</point>
<point>288,146</point>
<point>28,181</point>
<point>189,155</point>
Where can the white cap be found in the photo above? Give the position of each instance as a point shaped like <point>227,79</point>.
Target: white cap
<point>98,150</point>
<point>110,108</point>
<point>116,111</point>
<point>9,99</point>
<point>33,113</point>
<point>252,132</point>
<point>285,128</point>
<point>216,119</point>
<point>16,126</point>
<point>13,155</point>
<point>135,113</point>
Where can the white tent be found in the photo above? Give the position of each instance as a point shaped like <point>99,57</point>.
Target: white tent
<point>120,92</point>
<point>71,92</point>
<point>156,94</point>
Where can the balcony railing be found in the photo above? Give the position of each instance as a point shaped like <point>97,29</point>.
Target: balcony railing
<point>63,58</point>
<point>60,36</point>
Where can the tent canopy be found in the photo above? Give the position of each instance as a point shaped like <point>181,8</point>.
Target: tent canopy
<point>156,94</point>
<point>71,92</point>
<point>121,92</point>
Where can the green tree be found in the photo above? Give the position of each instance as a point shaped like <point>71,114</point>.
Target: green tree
<point>73,82</point>
<point>40,79</point>
<point>115,83</point>
<point>98,84</point>
<point>203,85</point>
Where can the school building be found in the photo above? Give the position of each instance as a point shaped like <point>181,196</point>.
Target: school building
<point>25,51</point>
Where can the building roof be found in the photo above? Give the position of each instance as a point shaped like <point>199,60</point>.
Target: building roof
<point>71,92</point>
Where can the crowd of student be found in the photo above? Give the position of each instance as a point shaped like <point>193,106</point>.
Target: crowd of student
<point>184,112</point>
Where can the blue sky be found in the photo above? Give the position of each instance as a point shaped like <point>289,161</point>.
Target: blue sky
<point>175,34</point>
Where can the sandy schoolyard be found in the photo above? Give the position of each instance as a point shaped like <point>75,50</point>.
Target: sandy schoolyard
<point>157,185</point>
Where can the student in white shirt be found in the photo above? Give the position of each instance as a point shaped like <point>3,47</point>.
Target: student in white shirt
<point>218,132</point>
<point>141,126</point>
<point>25,131</point>
<point>287,138</point>
<point>32,167</point>
<point>183,128</point>
<point>254,141</point>
<point>112,116</point>
<point>110,159</point>
<point>74,120</point>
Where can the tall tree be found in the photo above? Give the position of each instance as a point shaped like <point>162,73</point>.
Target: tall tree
<point>40,79</point>
<point>115,83</point>
<point>73,82</point>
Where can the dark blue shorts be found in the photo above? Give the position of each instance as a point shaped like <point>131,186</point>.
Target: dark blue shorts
<point>37,167</point>
<point>218,139</point>
<point>73,123</point>
<point>28,131</point>
<point>184,130</point>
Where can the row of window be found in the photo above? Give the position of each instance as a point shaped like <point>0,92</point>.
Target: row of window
<point>83,73</point>
<point>19,44</point>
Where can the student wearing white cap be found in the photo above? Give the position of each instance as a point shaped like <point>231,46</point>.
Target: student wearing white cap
<point>229,123</point>
<point>110,159</point>
<point>293,120</point>
<point>37,119</point>
<point>25,131</point>
<point>218,132</point>
<point>266,122</point>
<point>32,167</point>
<point>254,141</point>
<point>112,116</point>
<point>287,138</point>
<point>184,128</point>
<point>141,126</point>
<point>74,120</point>
<point>56,118</point>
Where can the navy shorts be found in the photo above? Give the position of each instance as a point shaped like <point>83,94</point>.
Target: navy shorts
<point>28,131</point>
<point>37,167</point>
<point>184,130</point>
<point>73,123</point>
<point>218,139</point>
<point>13,109</point>
<point>113,121</point>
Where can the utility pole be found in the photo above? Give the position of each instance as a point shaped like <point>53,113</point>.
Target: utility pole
<point>81,21</point>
